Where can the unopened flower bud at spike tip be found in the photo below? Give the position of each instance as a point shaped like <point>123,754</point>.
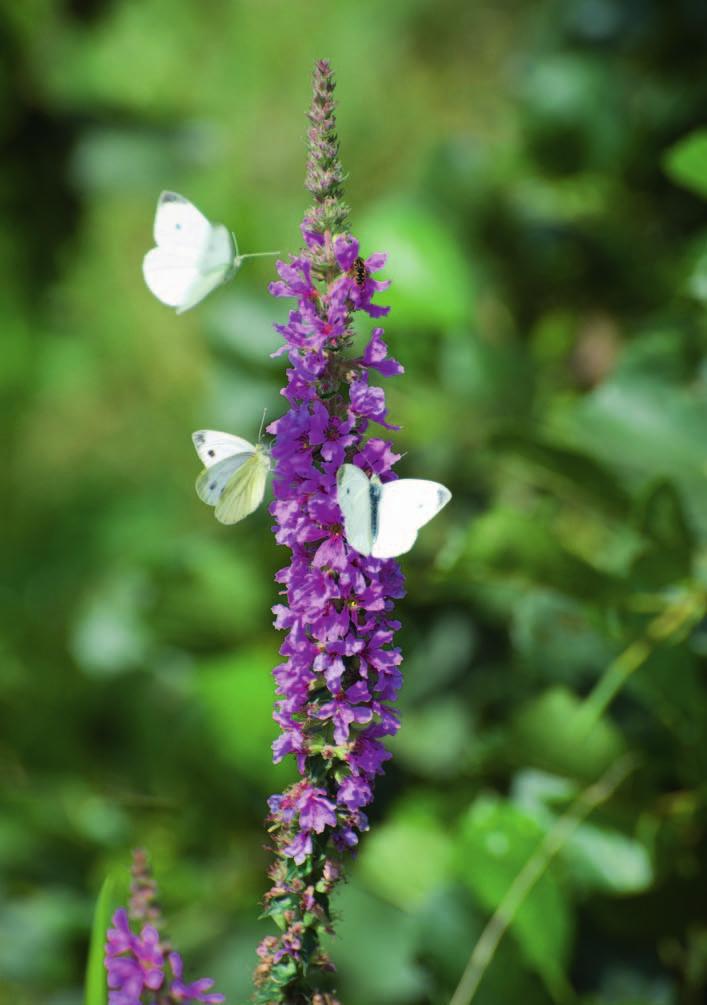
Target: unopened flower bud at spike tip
<point>325,175</point>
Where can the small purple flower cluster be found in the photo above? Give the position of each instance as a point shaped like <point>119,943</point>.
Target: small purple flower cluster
<point>141,971</point>
<point>341,670</point>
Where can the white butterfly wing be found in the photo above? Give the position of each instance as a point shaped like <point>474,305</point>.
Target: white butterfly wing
<point>219,253</point>
<point>192,257</point>
<point>212,446</point>
<point>354,498</point>
<point>245,489</point>
<point>211,482</point>
<point>404,507</point>
<point>173,277</point>
<point>178,223</point>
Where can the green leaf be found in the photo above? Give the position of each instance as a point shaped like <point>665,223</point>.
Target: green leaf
<point>647,429</point>
<point>96,986</point>
<point>236,694</point>
<point>667,554</point>
<point>686,162</point>
<point>496,841</point>
<point>375,948</point>
<point>432,283</point>
<point>408,857</point>
<point>433,660</point>
<point>516,545</point>
<point>449,924</point>
<point>590,481</point>
<point>556,638</point>
<point>548,733</point>
<point>599,858</point>
<point>596,857</point>
<point>438,739</point>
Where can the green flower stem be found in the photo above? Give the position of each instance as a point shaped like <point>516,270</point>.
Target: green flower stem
<point>674,620</point>
<point>553,842</point>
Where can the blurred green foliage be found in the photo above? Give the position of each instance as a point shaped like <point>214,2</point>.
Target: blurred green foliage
<point>536,171</point>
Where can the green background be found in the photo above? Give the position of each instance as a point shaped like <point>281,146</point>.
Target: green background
<point>533,170</point>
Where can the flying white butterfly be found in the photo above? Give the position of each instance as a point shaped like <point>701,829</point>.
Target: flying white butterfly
<point>193,256</point>
<point>235,474</point>
<point>382,520</point>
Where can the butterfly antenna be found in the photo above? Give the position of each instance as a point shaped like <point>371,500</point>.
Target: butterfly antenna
<point>257,254</point>
<point>262,423</point>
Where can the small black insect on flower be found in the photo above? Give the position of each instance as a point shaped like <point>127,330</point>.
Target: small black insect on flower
<point>359,271</point>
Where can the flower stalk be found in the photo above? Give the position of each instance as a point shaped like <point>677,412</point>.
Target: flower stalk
<point>341,670</point>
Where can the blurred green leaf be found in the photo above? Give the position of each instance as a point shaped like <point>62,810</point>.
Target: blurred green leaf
<point>556,638</point>
<point>686,162</point>
<point>439,739</point>
<point>449,924</point>
<point>111,635</point>
<point>375,948</point>
<point>96,986</point>
<point>235,693</point>
<point>513,544</point>
<point>591,482</point>
<point>432,282</point>
<point>495,842</point>
<point>407,857</point>
<point>40,927</point>
<point>494,378</point>
<point>439,657</point>
<point>602,859</point>
<point>670,542</point>
<point>646,429</point>
<point>547,732</point>
<point>596,857</point>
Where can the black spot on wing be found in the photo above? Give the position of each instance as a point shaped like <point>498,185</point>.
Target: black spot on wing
<point>211,453</point>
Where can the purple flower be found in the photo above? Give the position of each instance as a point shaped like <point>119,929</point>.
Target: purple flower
<point>300,847</point>
<point>368,402</point>
<point>340,669</point>
<point>194,992</point>
<point>376,356</point>
<point>315,811</point>
<point>133,962</point>
<point>136,966</point>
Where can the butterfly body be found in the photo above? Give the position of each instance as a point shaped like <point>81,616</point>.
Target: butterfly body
<point>235,474</point>
<point>382,519</point>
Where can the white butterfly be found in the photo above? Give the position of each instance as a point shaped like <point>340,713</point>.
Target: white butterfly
<point>235,474</point>
<point>193,256</point>
<point>380,519</point>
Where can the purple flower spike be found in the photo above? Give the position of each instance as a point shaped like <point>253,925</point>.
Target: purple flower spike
<point>340,669</point>
<point>138,965</point>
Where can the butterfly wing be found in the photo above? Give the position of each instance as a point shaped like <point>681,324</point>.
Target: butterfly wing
<point>179,224</point>
<point>355,501</point>
<point>212,446</point>
<point>192,257</point>
<point>245,489</point>
<point>405,506</point>
<point>211,483</point>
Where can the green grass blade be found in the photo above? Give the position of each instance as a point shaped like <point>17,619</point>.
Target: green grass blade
<point>96,987</point>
